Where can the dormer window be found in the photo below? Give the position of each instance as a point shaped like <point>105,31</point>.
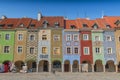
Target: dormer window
<point>21,25</point>
<point>108,26</point>
<point>117,22</point>
<point>95,26</point>
<point>2,25</point>
<point>72,26</point>
<point>56,24</point>
<point>32,25</point>
<point>45,24</point>
<point>85,25</point>
<point>10,25</point>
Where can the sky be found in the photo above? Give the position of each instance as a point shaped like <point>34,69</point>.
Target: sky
<point>71,9</point>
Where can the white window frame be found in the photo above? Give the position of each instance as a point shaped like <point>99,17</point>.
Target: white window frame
<point>57,36</point>
<point>67,37</point>
<point>30,37</point>
<point>22,36</point>
<point>87,49</point>
<point>46,37</point>
<point>107,37</point>
<point>74,50</point>
<point>74,37</point>
<point>46,50</point>
<point>8,37</point>
<point>54,49</point>
<point>99,50</point>
<point>98,38</point>
<point>8,49</point>
<point>108,51</point>
<point>70,50</point>
<point>85,35</point>
<point>21,48</point>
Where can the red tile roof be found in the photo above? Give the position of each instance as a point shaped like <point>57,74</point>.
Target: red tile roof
<point>9,21</point>
<point>51,21</point>
<point>24,21</point>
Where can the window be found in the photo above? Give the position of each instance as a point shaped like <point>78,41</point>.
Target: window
<point>33,64</point>
<point>108,26</point>
<point>97,38</point>
<point>56,37</point>
<point>7,36</point>
<point>56,24</point>
<point>108,38</point>
<point>97,50</point>
<point>44,50</point>
<point>20,36</point>
<point>76,50</point>
<point>44,37</point>
<point>85,25</point>
<point>68,38</point>
<point>0,35</point>
<point>6,49</point>
<point>68,50</point>
<point>32,37</point>
<point>109,50</point>
<point>56,64</point>
<point>76,38</point>
<point>119,38</point>
<point>85,36</point>
<point>86,51</point>
<point>31,50</point>
<point>56,50</point>
<point>72,26</point>
<point>19,49</point>
<point>10,25</point>
<point>21,25</point>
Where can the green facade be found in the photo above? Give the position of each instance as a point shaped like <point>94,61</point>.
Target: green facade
<point>98,44</point>
<point>3,42</point>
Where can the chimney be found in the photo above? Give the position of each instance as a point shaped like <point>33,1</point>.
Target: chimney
<point>87,18</point>
<point>39,16</point>
<point>3,17</point>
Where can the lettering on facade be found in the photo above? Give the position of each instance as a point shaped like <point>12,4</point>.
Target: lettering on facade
<point>44,56</point>
<point>97,43</point>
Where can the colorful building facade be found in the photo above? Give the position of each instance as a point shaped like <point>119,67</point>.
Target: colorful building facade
<point>56,44</point>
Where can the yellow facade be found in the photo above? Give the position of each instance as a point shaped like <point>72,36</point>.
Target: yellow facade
<point>20,43</point>
<point>117,38</point>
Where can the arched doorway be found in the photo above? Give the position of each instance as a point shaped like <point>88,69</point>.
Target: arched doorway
<point>119,67</point>
<point>88,64</point>
<point>98,67</point>
<point>43,66</point>
<point>31,65</point>
<point>56,65</point>
<point>75,66</point>
<point>19,65</point>
<point>110,67</point>
<point>7,64</point>
<point>66,66</point>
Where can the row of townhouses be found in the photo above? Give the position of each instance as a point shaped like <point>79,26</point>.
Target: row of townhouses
<point>54,43</point>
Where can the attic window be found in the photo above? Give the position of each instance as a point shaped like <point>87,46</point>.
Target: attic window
<point>45,24</point>
<point>107,26</point>
<point>32,25</point>
<point>72,26</point>
<point>56,24</point>
<point>95,26</point>
<point>21,25</point>
<point>85,25</point>
<point>10,25</point>
<point>1,25</point>
<point>117,22</point>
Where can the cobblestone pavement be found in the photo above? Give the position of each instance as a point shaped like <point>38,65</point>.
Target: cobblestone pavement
<point>60,76</point>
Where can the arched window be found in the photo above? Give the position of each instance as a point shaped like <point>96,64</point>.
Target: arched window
<point>32,37</point>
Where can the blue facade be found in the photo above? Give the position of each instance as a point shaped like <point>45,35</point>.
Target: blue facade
<point>72,44</point>
<point>109,42</point>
